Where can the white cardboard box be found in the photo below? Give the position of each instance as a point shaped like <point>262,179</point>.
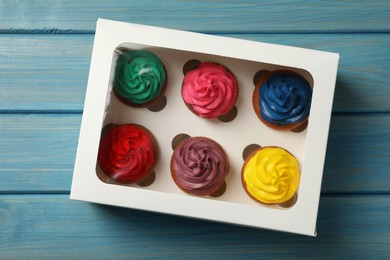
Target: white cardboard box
<point>244,58</point>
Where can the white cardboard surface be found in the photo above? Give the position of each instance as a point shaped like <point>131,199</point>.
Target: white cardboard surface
<point>244,58</point>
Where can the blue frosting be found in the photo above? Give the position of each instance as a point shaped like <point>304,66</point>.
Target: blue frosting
<point>285,99</point>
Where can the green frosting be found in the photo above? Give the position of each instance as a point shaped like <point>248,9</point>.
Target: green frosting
<point>139,76</point>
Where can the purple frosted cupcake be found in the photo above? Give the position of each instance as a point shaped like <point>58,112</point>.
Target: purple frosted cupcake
<point>199,166</point>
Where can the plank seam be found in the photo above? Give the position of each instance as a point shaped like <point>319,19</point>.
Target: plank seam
<point>41,112</point>
<point>359,113</point>
<point>54,31</point>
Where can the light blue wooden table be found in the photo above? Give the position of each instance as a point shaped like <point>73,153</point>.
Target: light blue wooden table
<point>45,50</point>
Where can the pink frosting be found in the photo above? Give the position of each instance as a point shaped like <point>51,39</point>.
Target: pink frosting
<point>210,89</point>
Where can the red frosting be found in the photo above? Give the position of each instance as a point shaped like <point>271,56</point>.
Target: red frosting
<point>126,153</point>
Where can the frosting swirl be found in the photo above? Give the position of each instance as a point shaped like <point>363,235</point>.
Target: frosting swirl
<point>285,98</point>
<point>271,175</point>
<point>210,89</point>
<point>139,76</point>
<point>126,153</point>
<point>199,166</point>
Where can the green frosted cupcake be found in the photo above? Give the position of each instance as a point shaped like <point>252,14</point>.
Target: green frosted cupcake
<point>140,78</point>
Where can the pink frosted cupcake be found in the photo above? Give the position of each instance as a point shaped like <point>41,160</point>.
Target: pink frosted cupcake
<point>210,90</point>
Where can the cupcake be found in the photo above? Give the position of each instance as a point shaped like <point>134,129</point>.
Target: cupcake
<point>199,166</point>
<point>127,153</point>
<point>270,175</point>
<point>210,90</point>
<point>282,100</point>
<point>140,78</point>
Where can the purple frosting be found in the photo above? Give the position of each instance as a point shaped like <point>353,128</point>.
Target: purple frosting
<point>199,166</point>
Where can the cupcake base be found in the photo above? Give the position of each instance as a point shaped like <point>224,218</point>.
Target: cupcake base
<point>155,105</point>
<point>249,152</point>
<point>260,78</point>
<point>226,117</point>
<point>108,175</point>
<point>219,188</point>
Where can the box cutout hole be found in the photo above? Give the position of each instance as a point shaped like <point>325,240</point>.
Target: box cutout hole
<point>301,127</point>
<point>258,76</point>
<point>158,105</point>
<point>220,191</point>
<point>178,139</point>
<point>230,116</point>
<point>148,180</point>
<point>190,65</point>
<point>291,202</point>
<point>249,149</point>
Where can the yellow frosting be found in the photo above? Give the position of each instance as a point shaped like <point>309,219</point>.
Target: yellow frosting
<point>272,175</point>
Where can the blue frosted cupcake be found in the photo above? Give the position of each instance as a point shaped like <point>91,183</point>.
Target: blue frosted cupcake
<point>282,99</point>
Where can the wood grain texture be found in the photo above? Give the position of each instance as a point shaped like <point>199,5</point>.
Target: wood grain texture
<point>53,226</point>
<point>41,149</point>
<point>57,67</point>
<point>358,154</point>
<point>45,51</point>
<point>50,16</point>
<point>37,152</point>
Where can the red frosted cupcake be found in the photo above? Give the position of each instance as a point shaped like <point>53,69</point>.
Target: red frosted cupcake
<point>210,90</point>
<point>127,153</point>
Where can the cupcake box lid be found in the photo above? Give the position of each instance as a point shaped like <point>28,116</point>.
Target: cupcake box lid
<point>245,58</point>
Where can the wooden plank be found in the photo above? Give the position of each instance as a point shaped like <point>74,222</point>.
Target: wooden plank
<point>53,226</point>
<point>44,16</point>
<point>44,73</point>
<point>57,68</point>
<point>37,153</point>
<point>358,154</point>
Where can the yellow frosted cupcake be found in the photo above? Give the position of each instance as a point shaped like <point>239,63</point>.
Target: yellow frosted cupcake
<point>271,175</point>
